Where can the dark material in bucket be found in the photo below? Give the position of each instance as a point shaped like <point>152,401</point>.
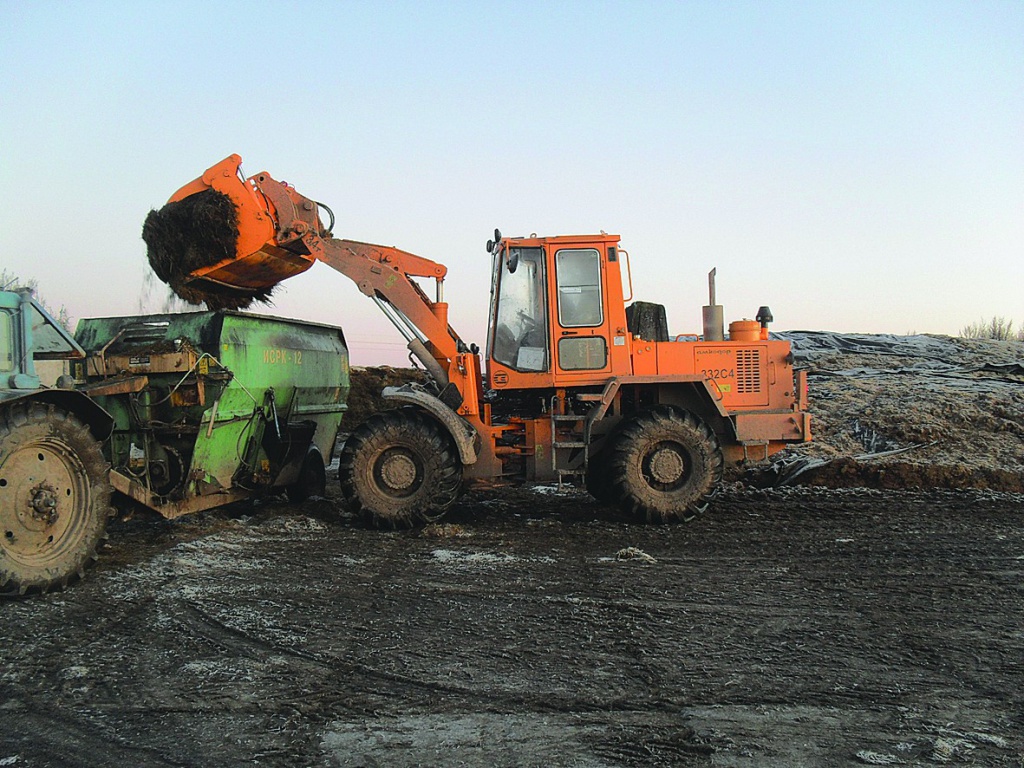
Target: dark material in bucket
<point>196,232</point>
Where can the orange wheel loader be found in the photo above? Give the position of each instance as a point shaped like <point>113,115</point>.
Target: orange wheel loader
<point>575,383</point>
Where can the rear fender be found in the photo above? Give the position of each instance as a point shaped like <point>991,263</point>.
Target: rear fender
<point>702,400</point>
<point>100,423</point>
<point>693,393</point>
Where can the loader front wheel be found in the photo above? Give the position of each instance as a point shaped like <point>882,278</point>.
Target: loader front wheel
<point>400,467</point>
<point>54,498</point>
<point>664,465</point>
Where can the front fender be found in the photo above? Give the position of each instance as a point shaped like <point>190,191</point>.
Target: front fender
<point>463,433</point>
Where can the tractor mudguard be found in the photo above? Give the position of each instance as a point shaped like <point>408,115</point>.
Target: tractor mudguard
<point>466,438</point>
<point>99,422</point>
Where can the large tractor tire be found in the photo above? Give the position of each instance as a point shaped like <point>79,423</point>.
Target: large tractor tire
<point>400,467</point>
<point>664,465</point>
<point>54,498</point>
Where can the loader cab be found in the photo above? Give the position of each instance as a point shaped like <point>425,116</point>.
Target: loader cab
<point>557,312</point>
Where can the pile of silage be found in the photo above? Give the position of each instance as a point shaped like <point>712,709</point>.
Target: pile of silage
<point>920,411</point>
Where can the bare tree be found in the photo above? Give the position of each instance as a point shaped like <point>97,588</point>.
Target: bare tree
<point>10,281</point>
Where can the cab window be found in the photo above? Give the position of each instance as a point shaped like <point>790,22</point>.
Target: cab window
<point>6,342</point>
<point>578,274</point>
<point>582,353</point>
<point>521,327</point>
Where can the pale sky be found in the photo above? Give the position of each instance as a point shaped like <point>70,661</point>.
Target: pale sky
<point>857,166</point>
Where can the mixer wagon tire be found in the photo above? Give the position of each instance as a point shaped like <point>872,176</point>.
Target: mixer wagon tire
<point>400,467</point>
<point>664,465</point>
<point>54,498</point>
<point>598,479</point>
<point>312,480</point>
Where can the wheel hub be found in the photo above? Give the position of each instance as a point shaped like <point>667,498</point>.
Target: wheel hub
<point>666,465</point>
<point>44,504</point>
<point>40,490</point>
<point>398,471</point>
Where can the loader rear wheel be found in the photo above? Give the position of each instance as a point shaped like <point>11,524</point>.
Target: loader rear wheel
<point>664,465</point>
<point>400,467</point>
<point>54,498</point>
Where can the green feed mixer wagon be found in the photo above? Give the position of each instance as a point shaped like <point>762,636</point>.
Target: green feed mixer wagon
<point>214,407</point>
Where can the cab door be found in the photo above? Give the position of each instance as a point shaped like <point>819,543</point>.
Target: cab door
<point>580,327</point>
<point>8,349</point>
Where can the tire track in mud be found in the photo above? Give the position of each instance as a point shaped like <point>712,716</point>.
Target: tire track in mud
<point>52,737</point>
<point>373,682</point>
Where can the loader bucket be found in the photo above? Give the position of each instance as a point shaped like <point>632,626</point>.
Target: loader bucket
<point>216,240</point>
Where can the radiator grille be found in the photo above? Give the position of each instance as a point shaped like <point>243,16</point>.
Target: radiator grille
<point>748,370</point>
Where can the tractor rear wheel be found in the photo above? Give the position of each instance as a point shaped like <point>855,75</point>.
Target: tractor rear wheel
<point>664,465</point>
<point>54,498</point>
<point>398,467</point>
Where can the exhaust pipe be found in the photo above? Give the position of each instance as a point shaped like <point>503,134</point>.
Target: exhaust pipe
<point>714,316</point>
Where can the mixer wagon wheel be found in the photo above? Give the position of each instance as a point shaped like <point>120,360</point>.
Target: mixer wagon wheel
<point>54,498</point>
<point>398,467</point>
<point>665,463</point>
<point>312,480</point>
<point>598,478</point>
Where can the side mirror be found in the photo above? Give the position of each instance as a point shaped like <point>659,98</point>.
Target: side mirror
<point>512,260</point>
<point>492,244</point>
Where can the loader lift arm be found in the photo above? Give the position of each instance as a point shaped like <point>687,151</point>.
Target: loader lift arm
<point>228,240</point>
<point>384,274</point>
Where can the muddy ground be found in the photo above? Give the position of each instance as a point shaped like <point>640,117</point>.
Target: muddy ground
<point>786,627</point>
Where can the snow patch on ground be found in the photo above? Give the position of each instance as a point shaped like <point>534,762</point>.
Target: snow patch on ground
<point>189,566</point>
<point>462,557</point>
<point>467,559</point>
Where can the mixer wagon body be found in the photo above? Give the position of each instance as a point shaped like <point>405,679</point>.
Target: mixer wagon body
<point>213,407</point>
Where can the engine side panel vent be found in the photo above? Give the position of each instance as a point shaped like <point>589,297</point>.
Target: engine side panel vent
<point>748,371</point>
